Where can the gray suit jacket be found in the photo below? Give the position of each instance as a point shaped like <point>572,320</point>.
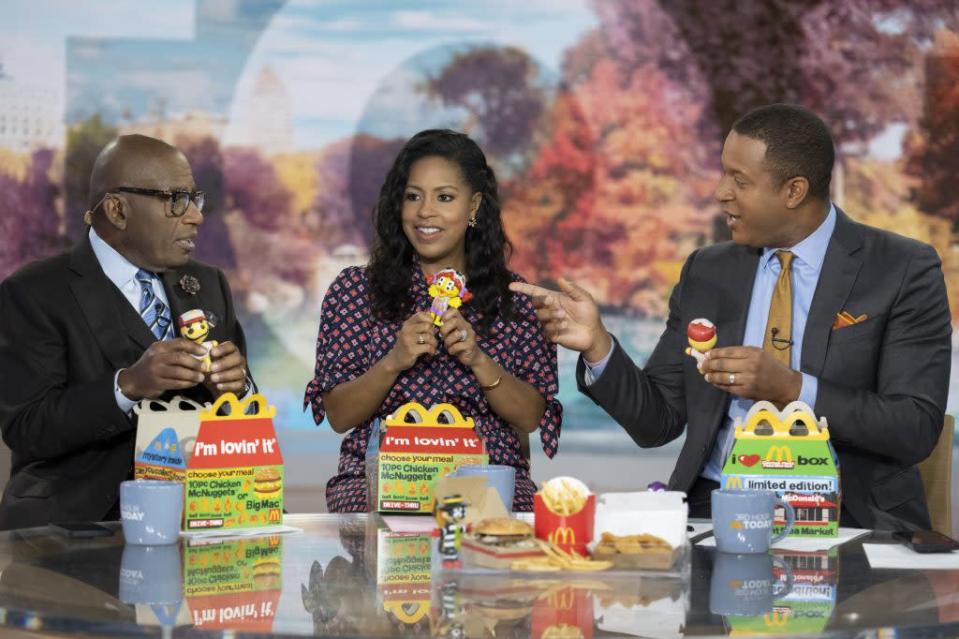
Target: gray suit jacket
<point>882,382</point>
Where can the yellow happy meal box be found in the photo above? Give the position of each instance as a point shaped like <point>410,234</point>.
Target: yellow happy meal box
<point>788,452</point>
<point>419,446</point>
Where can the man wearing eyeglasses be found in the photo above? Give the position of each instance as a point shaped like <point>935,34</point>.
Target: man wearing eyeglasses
<point>87,334</point>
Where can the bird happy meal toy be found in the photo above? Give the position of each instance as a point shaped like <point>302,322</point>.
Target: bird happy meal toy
<point>195,326</point>
<point>448,290</point>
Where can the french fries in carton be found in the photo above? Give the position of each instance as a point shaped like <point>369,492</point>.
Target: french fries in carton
<point>643,530</point>
<point>564,509</point>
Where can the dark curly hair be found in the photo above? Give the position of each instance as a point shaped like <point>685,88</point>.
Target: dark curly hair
<point>487,248</point>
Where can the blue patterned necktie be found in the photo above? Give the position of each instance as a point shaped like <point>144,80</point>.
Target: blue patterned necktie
<point>153,311</point>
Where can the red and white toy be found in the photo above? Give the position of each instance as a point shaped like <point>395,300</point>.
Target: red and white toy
<point>702,337</point>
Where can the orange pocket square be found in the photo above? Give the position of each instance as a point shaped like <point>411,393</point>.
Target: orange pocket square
<point>844,319</point>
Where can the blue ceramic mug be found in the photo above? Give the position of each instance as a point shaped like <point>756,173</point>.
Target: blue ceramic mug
<point>743,520</point>
<point>151,511</point>
<point>502,478</point>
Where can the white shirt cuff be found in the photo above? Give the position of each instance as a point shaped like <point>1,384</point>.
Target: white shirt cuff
<point>125,404</point>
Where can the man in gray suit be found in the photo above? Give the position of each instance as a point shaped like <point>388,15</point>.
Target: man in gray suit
<point>808,305</point>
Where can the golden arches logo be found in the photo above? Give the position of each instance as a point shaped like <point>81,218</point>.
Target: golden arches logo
<point>734,483</point>
<point>445,414</point>
<point>238,408</point>
<point>783,421</point>
<point>563,535</point>
<point>779,454</point>
<point>776,619</point>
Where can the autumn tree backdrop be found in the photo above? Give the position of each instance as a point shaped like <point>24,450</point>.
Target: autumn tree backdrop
<point>604,120</point>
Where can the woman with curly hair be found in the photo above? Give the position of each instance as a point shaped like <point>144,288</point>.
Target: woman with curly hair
<point>378,348</point>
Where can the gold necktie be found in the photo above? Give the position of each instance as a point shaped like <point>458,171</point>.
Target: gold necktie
<point>779,326</point>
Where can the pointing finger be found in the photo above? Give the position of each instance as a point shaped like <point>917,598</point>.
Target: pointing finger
<point>530,290</point>
<point>572,289</point>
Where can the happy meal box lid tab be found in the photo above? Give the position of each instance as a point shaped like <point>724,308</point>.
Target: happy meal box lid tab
<point>166,433</point>
<point>795,421</point>
<point>235,476</point>
<point>415,414</point>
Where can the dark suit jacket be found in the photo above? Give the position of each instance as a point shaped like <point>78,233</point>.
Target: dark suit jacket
<point>65,329</point>
<point>882,382</point>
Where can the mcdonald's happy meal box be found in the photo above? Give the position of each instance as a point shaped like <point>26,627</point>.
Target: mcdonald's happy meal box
<point>421,445</point>
<point>788,452</point>
<point>234,478</point>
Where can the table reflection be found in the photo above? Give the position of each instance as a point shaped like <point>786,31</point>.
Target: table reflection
<point>783,592</point>
<point>233,584</point>
<point>353,576</point>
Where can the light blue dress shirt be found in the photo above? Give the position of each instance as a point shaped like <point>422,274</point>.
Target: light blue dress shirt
<point>122,273</point>
<point>806,267</point>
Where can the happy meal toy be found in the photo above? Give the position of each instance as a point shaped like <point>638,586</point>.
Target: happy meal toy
<point>448,290</point>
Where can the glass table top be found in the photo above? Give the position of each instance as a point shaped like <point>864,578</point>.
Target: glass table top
<point>350,575</point>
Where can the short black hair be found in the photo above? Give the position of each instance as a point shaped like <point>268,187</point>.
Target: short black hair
<point>798,144</point>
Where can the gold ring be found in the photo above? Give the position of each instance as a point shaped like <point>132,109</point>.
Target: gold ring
<point>420,339</point>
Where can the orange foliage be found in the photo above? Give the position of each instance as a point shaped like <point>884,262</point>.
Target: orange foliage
<point>619,193</point>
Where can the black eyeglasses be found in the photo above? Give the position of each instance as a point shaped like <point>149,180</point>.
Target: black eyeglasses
<point>179,200</point>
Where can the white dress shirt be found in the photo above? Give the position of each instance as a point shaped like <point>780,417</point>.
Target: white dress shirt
<point>122,273</point>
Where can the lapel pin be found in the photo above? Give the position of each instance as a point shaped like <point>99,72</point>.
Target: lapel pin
<point>190,284</point>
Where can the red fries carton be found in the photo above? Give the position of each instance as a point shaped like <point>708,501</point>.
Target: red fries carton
<point>564,511</point>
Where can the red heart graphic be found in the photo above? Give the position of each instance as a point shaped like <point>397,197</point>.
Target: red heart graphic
<point>748,460</point>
